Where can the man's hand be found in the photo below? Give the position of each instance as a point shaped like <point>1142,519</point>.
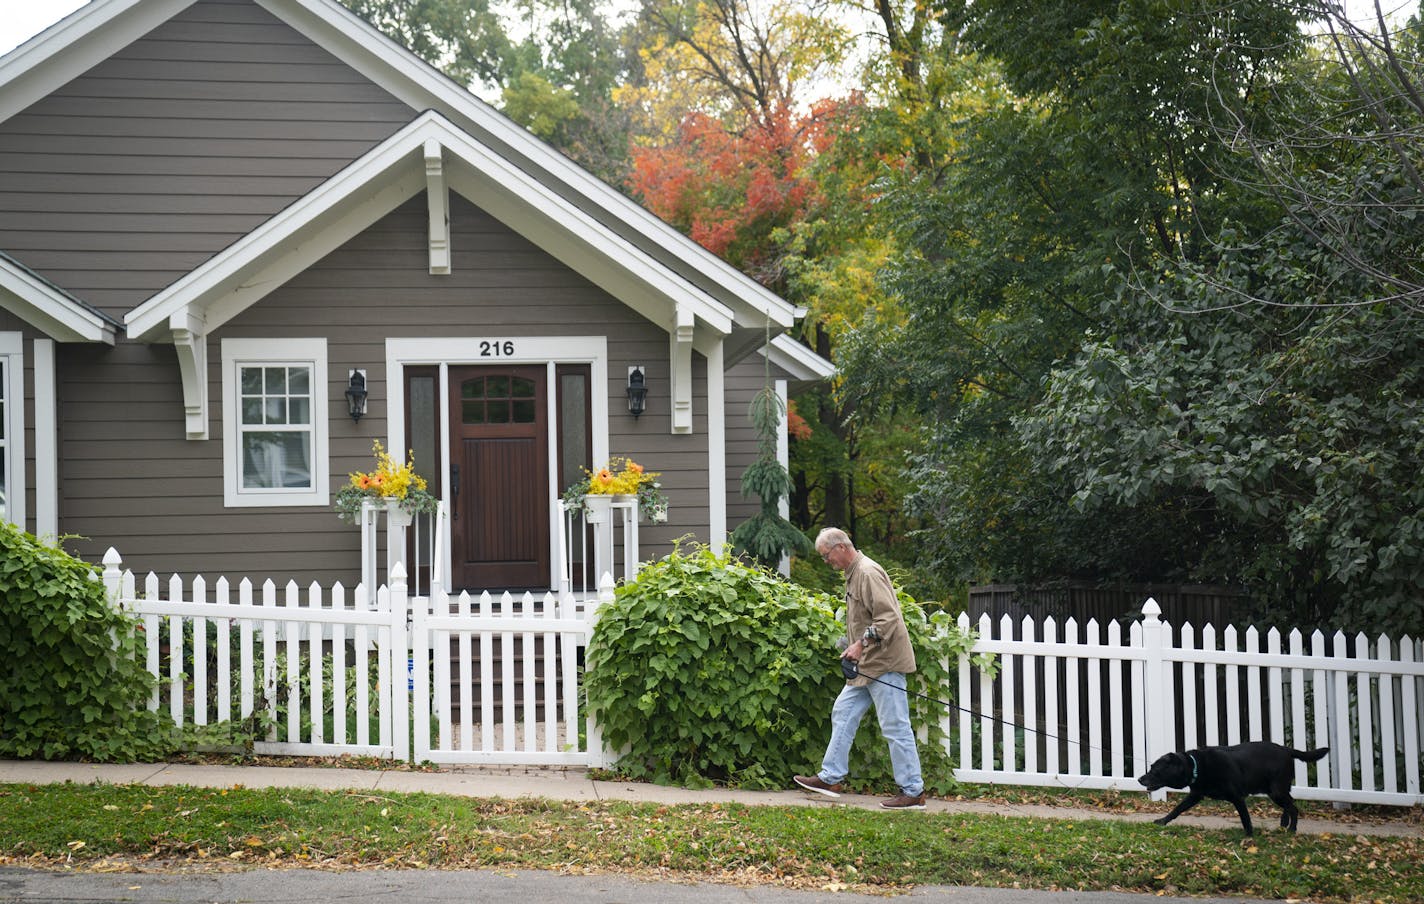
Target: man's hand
<point>853,651</point>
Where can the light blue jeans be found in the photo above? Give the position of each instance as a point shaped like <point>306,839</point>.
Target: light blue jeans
<point>892,707</point>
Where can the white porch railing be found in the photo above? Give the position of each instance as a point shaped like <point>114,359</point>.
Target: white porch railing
<point>1079,710</point>
<point>603,542</point>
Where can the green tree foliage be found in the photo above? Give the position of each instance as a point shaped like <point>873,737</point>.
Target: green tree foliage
<point>74,685</point>
<point>552,65</point>
<point>766,536</point>
<point>1272,395</point>
<point>1082,162</point>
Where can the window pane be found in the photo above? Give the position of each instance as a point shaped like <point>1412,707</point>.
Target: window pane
<point>473,389</point>
<point>275,380</point>
<point>299,411</point>
<point>522,389</point>
<point>276,411</point>
<point>4,498</point>
<point>252,411</point>
<point>499,412</point>
<point>498,388</point>
<point>272,459</point>
<point>299,380</point>
<point>525,412</point>
<point>473,412</point>
<point>251,381</point>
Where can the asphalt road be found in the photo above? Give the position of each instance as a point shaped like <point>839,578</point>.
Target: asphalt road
<point>464,886</point>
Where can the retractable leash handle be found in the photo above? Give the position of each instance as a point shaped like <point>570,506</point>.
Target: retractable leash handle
<point>849,668</point>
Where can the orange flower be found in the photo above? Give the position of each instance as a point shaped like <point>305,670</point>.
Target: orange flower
<point>635,467</point>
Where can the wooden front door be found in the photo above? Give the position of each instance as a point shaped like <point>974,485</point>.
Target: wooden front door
<point>499,478</point>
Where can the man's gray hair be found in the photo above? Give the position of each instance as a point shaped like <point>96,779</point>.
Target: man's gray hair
<point>832,536</point>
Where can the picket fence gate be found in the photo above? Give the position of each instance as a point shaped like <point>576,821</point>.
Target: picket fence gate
<point>460,679</point>
<point>316,673</point>
<point>1084,711</point>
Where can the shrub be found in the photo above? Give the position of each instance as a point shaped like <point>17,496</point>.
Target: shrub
<point>708,670</point>
<point>74,685</point>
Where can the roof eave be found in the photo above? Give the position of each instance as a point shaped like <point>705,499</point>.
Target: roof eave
<point>49,308</point>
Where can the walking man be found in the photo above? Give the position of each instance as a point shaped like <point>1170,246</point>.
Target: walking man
<point>880,646</point>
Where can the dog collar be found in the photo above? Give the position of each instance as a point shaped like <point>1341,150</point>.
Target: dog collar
<point>1194,768</point>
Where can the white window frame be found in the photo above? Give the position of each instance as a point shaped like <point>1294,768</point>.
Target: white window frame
<point>239,353</point>
<point>12,372</point>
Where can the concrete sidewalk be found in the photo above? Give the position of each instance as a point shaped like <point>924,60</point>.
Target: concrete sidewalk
<point>576,785</point>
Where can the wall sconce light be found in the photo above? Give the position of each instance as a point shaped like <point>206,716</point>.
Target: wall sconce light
<point>637,391</point>
<point>356,395</point>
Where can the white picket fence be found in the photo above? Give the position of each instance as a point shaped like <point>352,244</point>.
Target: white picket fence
<point>1079,710</point>
<point>462,679</point>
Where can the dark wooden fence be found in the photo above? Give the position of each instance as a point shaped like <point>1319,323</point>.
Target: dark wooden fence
<point>1199,604</point>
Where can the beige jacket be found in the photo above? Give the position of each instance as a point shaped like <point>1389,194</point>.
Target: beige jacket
<point>870,599</point>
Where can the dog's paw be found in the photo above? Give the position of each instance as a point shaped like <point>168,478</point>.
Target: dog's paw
<point>1163,820</point>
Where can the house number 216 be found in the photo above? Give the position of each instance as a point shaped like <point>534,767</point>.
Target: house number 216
<point>490,349</point>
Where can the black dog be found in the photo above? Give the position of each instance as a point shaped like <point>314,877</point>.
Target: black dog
<point>1231,773</point>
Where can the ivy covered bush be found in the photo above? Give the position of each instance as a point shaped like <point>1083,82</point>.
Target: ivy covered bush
<point>706,670</point>
<point>73,685</point>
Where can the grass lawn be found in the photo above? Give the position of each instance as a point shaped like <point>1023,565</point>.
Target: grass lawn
<point>148,828</point>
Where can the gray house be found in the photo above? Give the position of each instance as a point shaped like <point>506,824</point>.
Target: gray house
<point>217,216</point>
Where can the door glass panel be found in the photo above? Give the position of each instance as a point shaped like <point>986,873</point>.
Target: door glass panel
<point>473,389</point>
<point>498,412</point>
<point>573,432</point>
<point>525,412</point>
<point>472,412</point>
<point>498,388</point>
<point>522,389</point>
<point>423,425</point>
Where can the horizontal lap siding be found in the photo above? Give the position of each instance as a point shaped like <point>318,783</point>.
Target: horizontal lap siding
<point>744,381</point>
<point>139,170</point>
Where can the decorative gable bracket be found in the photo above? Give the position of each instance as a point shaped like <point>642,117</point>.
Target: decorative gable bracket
<point>438,201</point>
<point>680,342</point>
<point>191,343</point>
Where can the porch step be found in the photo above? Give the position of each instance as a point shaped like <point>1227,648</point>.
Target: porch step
<point>497,687</point>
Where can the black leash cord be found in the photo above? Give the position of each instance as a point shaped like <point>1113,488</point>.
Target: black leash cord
<point>851,669</point>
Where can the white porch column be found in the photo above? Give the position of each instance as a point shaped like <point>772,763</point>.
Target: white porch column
<point>46,441</point>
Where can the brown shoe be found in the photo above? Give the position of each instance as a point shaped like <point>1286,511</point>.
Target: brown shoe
<point>904,802</point>
<point>814,783</point>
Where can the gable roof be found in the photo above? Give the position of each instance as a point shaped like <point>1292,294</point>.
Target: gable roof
<point>717,294</point>
<point>48,308</point>
<point>378,182</point>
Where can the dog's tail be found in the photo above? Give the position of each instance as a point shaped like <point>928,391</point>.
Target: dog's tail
<point>1310,756</point>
